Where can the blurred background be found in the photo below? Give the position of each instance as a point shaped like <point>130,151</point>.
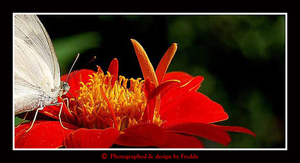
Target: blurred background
<point>242,60</point>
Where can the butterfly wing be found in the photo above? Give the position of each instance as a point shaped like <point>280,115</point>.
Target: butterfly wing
<point>36,67</point>
<point>30,29</point>
<point>26,98</point>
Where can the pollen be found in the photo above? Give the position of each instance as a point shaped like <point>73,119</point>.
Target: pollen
<point>105,101</point>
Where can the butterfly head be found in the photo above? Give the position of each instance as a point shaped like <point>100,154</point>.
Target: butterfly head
<point>64,87</point>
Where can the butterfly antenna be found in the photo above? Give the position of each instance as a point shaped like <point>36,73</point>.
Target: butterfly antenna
<point>67,79</point>
<point>72,67</point>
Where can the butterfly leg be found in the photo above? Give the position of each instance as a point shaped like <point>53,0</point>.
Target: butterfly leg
<point>59,115</point>
<point>66,99</point>
<point>36,113</point>
<point>60,111</point>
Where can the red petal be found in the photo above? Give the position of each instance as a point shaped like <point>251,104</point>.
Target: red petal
<point>207,131</point>
<point>182,141</point>
<point>152,93</point>
<point>193,107</point>
<point>179,89</point>
<point>236,129</point>
<point>53,112</point>
<point>162,88</point>
<point>145,64</point>
<point>148,89</point>
<point>91,138</point>
<point>113,69</point>
<point>179,75</point>
<point>81,76</point>
<point>165,62</point>
<point>44,134</point>
<point>142,135</point>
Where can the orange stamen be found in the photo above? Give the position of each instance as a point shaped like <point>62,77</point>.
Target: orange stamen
<point>112,112</point>
<point>102,103</point>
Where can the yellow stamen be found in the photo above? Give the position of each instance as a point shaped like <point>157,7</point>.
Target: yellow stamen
<point>102,104</point>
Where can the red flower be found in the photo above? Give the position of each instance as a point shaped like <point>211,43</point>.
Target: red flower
<point>164,110</point>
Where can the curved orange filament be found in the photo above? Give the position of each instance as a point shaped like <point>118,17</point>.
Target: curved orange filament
<point>112,112</point>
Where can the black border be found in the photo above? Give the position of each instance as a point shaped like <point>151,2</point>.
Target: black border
<point>208,155</point>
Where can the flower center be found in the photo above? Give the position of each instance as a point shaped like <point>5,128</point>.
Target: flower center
<point>107,102</point>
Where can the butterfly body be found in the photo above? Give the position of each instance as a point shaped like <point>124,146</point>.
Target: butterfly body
<point>36,74</point>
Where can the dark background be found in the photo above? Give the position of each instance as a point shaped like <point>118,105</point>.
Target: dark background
<point>242,60</point>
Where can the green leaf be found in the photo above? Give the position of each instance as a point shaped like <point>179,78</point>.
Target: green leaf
<point>17,121</point>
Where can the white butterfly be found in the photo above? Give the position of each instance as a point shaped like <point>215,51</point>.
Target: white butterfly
<point>36,74</point>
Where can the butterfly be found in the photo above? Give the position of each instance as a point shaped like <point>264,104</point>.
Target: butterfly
<point>36,69</point>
